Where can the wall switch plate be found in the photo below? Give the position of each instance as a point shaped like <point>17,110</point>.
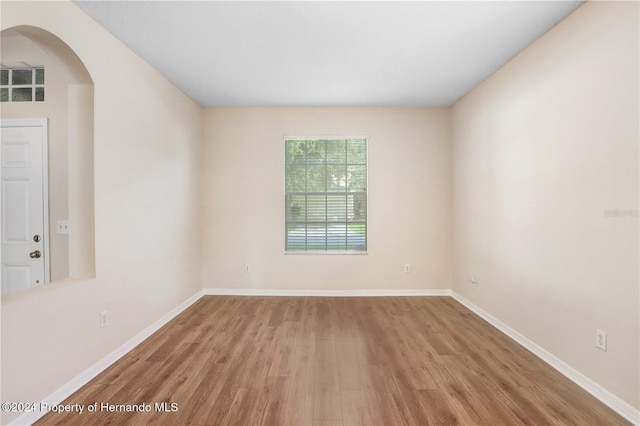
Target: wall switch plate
<point>601,339</point>
<point>247,267</point>
<point>407,267</point>
<point>103,319</point>
<point>473,279</point>
<point>62,227</point>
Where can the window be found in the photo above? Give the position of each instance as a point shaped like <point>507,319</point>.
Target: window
<point>22,84</point>
<point>326,195</point>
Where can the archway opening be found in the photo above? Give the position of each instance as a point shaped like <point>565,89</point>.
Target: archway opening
<point>68,108</point>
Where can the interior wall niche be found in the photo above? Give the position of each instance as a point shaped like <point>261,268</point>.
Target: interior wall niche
<point>68,107</point>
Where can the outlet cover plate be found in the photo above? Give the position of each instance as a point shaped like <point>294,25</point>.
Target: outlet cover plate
<point>601,339</point>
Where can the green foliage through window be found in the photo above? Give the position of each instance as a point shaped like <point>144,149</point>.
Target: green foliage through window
<point>326,194</point>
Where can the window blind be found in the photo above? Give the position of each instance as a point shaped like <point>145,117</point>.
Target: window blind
<point>326,195</point>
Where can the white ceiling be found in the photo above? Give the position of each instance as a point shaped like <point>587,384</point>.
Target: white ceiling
<point>308,53</point>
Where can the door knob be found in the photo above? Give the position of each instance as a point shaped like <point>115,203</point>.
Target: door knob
<point>35,254</point>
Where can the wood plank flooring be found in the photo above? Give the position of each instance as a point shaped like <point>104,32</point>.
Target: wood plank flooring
<point>333,362</point>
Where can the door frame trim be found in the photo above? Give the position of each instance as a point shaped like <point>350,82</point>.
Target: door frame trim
<point>44,124</point>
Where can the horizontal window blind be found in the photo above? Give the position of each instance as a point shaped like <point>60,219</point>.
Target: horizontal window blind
<point>326,195</point>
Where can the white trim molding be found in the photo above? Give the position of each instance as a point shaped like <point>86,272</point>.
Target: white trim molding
<point>324,293</point>
<point>609,399</point>
<point>616,404</point>
<point>83,378</point>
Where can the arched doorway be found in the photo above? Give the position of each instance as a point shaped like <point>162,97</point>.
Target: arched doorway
<point>67,109</point>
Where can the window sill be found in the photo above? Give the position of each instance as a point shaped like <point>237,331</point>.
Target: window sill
<point>326,252</point>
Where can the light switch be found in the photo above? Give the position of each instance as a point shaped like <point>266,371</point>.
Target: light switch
<point>63,227</point>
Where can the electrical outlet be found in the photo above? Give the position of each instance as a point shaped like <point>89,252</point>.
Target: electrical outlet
<point>407,267</point>
<point>601,339</point>
<point>103,319</point>
<point>247,267</point>
<point>473,279</point>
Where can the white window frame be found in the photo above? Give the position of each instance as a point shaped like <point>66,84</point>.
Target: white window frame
<point>327,252</point>
<point>33,86</point>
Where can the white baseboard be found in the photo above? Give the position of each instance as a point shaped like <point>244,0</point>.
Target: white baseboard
<point>323,293</point>
<point>612,401</point>
<point>609,399</point>
<point>83,378</point>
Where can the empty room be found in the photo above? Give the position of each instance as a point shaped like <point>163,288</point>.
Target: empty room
<point>310,213</point>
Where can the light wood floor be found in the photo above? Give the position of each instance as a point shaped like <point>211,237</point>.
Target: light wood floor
<point>335,361</point>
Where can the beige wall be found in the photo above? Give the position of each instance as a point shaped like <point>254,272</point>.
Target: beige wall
<point>147,136</point>
<point>409,199</point>
<point>82,260</point>
<point>16,48</point>
<point>541,150</point>
<point>185,197</point>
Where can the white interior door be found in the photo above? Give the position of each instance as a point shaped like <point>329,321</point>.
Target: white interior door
<point>24,216</point>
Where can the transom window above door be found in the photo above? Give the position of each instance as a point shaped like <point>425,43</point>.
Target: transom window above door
<point>22,85</point>
<point>326,195</point>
